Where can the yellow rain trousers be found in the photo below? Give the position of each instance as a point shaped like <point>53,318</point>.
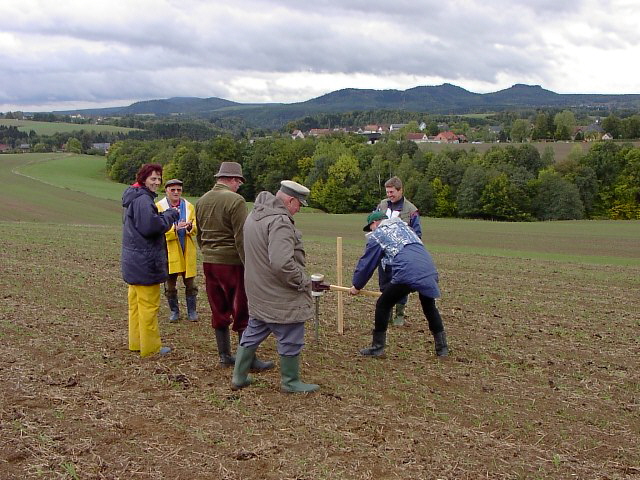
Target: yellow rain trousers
<point>144,334</point>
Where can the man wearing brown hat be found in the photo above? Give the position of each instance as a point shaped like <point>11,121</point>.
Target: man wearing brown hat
<point>220,216</point>
<point>278,288</point>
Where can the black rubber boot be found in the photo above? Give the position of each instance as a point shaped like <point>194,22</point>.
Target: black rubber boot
<point>223,339</point>
<point>377,345</point>
<point>244,358</point>
<point>290,376</point>
<point>440,339</point>
<point>257,365</point>
<point>174,306</point>
<point>191,308</point>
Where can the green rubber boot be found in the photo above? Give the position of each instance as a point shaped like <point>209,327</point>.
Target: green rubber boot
<point>257,365</point>
<point>398,320</point>
<point>244,359</point>
<point>290,376</point>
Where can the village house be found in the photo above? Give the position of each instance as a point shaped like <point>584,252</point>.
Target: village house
<point>373,128</point>
<point>418,137</point>
<point>449,137</point>
<point>101,146</point>
<point>320,132</point>
<point>589,132</point>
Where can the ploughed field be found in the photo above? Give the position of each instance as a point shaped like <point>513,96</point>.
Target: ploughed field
<point>543,321</point>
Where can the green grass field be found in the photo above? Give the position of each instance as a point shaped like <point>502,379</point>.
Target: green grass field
<point>560,149</point>
<point>74,177</point>
<point>542,382</point>
<point>49,128</point>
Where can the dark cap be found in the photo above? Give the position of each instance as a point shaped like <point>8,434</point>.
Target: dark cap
<point>230,169</point>
<point>373,217</point>
<point>173,181</point>
<point>294,189</point>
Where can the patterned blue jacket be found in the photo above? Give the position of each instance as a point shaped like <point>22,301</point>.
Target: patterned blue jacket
<point>395,244</point>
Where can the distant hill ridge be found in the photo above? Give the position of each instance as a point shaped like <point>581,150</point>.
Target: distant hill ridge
<point>440,99</point>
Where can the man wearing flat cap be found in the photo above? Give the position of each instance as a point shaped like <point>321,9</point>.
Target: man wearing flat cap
<point>278,288</point>
<point>220,214</point>
<point>181,251</point>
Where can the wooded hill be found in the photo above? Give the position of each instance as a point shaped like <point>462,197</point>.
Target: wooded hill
<point>441,99</point>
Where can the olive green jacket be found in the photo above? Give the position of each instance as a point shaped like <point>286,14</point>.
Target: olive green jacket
<point>220,216</point>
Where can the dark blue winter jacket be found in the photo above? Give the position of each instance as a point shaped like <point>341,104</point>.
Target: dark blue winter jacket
<point>144,250</point>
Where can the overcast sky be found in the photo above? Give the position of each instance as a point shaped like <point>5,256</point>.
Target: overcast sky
<point>83,53</point>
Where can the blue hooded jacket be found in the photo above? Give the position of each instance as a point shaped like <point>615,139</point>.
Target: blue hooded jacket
<point>144,249</point>
<point>395,244</point>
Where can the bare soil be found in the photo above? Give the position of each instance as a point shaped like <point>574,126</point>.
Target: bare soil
<point>542,381</point>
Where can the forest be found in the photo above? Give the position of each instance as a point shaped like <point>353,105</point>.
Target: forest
<point>346,175</point>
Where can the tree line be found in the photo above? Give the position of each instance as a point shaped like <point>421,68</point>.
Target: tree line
<point>345,175</point>
<point>518,126</point>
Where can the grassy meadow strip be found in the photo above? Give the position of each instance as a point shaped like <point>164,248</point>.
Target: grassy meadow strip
<point>50,128</point>
<point>65,188</point>
<point>81,173</point>
<point>532,255</point>
<point>590,242</point>
<point>560,149</point>
<point>33,200</point>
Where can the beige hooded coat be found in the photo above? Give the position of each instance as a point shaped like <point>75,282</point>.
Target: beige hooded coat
<point>278,288</point>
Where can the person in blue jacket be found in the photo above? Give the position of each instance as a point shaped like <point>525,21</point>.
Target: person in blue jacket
<point>144,258</point>
<point>391,242</point>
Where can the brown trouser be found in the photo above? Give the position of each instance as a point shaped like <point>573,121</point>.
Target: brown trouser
<point>171,285</point>
<point>226,294</point>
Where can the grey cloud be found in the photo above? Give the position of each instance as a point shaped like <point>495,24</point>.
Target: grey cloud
<point>144,49</point>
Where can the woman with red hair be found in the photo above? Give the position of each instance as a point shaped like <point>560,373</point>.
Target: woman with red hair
<point>144,258</point>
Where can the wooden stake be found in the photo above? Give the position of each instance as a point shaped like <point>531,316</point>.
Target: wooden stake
<point>339,280</point>
<point>366,293</point>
